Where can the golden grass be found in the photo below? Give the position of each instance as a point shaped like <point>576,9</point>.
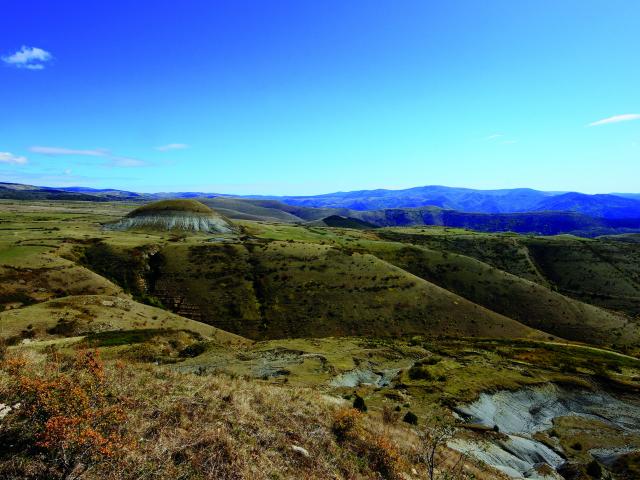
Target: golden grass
<point>190,426</point>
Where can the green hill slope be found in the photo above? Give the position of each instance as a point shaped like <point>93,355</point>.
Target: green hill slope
<point>93,315</point>
<point>603,272</point>
<point>523,300</point>
<point>284,289</point>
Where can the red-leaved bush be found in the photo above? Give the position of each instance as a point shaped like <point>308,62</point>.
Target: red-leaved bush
<point>68,415</point>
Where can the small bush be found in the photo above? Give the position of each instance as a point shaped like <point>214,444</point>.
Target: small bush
<point>594,469</point>
<point>66,328</point>
<point>419,373</point>
<point>194,350</point>
<point>346,423</point>
<point>383,457</point>
<point>410,418</point>
<point>389,415</point>
<point>433,360</point>
<point>71,418</point>
<point>358,404</point>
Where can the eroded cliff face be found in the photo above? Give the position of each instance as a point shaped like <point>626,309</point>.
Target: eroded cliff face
<point>550,425</point>
<point>174,221</point>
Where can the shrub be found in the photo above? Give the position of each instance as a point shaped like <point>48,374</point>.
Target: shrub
<point>383,457</point>
<point>389,415</point>
<point>358,403</point>
<point>594,469</point>
<point>66,328</point>
<point>419,373</point>
<point>410,418</point>
<point>437,431</point>
<point>346,423</point>
<point>70,416</point>
<point>193,350</point>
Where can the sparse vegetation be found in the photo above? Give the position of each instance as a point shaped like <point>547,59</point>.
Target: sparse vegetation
<point>339,311</point>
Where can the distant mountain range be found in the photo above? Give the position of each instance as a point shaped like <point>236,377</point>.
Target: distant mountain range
<point>521,210</point>
<point>478,201</point>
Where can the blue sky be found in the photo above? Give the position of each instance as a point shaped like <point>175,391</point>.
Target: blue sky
<point>300,97</point>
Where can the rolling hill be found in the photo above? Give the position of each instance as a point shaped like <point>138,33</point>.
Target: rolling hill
<point>281,289</point>
<point>599,206</point>
<point>540,222</point>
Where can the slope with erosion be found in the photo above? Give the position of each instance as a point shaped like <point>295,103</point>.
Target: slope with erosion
<point>176,214</point>
<point>600,272</point>
<point>289,289</point>
<point>515,297</point>
<point>395,377</point>
<point>47,276</point>
<point>94,315</point>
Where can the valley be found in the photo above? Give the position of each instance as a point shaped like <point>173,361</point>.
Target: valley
<point>416,321</point>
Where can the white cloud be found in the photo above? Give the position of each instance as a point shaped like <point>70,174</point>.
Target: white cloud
<point>31,58</point>
<point>172,146</point>
<point>125,162</point>
<point>494,136</point>
<point>627,117</point>
<point>98,152</point>
<point>6,157</point>
<point>110,159</point>
<point>500,139</point>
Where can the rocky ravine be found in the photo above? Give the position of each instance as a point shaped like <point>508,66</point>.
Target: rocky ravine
<point>521,414</point>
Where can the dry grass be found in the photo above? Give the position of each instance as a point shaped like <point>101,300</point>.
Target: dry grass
<point>181,426</point>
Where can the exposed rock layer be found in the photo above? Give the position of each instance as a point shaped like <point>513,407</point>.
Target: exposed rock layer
<point>185,215</point>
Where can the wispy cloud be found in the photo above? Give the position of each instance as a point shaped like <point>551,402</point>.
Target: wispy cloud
<point>126,162</point>
<point>110,159</point>
<point>54,151</point>
<point>172,146</point>
<point>6,157</point>
<point>500,138</point>
<point>494,136</point>
<point>627,117</point>
<point>31,58</point>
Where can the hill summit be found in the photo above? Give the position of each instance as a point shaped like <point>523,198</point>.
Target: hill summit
<point>178,214</point>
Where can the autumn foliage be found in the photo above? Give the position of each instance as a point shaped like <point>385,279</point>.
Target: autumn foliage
<point>68,414</point>
<point>381,454</point>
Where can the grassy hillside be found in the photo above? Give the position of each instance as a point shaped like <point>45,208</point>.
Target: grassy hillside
<point>338,221</point>
<point>407,322</point>
<point>603,273</point>
<point>296,280</point>
<point>93,315</point>
<point>284,289</point>
<point>523,300</point>
<point>173,205</point>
